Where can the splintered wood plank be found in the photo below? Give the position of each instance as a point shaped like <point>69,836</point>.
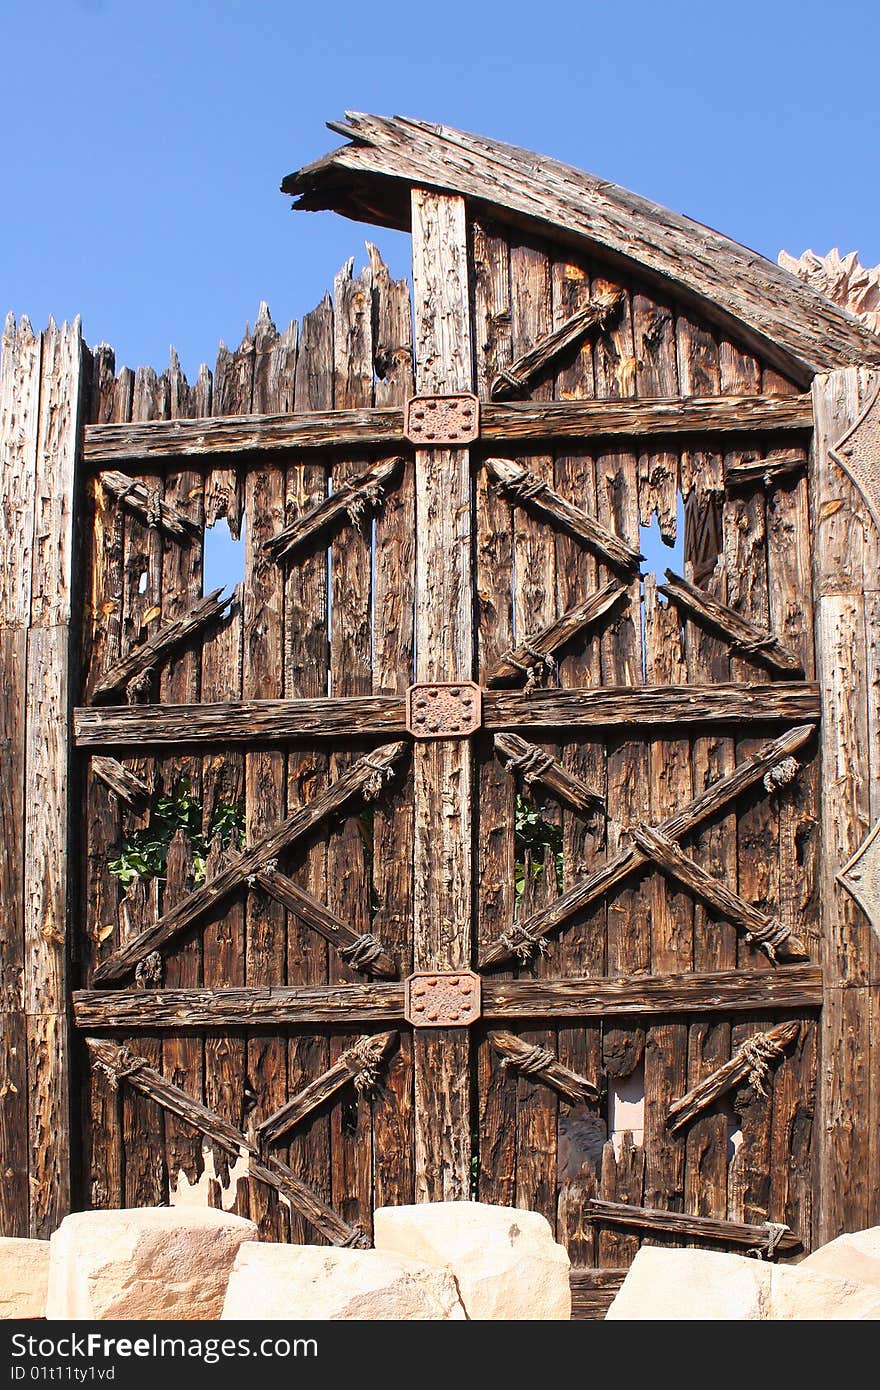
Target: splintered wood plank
<point>351,504</point>
<point>181,681</point>
<point>442,869</point>
<point>533,658</point>
<point>581,949</point>
<point>233,395</point>
<point>536,612</point>
<point>393,659</point>
<point>305,674</point>
<point>19,416</point>
<point>844,582</point>
<point>496,1171</point>
<point>704,1228</point>
<point>348,868</point>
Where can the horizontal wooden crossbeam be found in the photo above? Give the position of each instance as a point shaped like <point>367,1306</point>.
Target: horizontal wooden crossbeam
<point>522,937</point>
<point>155,441</point>
<point>257,721</point>
<point>120,1064</point>
<point>736,1233</point>
<point>320,1006</point>
<point>367,772</point>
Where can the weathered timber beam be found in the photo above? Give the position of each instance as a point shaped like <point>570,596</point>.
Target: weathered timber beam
<point>143,658</point>
<point>525,487</point>
<point>767,932</point>
<point>515,378</point>
<point>122,1065</point>
<point>365,777</point>
<point>702,1227</point>
<point>361,950</point>
<point>320,1006</point>
<point>358,1063</point>
<point>522,937</point>
<point>158,440</point>
<point>533,1060</point>
<point>154,510</point>
<point>535,767</point>
<point>593,1291</point>
<point>768,470</point>
<point>634,706</point>
<point>745,638</point>
<point>255,721</point>
<point>525,661</point>
<point>125,785</point>
<point>245,721</point>
<point>751,1060</point>
<point>354,500</point>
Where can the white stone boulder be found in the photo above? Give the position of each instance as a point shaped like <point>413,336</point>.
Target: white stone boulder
<point>24,1276</point>
<point>692,1285</point>
<point>708,1285</point>
<point>505,1261</point>
<point>280,1282</point>
<point>855,1255</point>
<point>144,1263</point>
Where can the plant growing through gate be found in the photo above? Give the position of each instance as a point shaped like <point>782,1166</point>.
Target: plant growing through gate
<point>144,853</point>
<point>533,836</point>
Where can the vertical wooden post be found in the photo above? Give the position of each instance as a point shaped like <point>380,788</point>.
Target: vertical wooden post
<point>846,561</point>
<point>39,432</point>
<point>444,652</point>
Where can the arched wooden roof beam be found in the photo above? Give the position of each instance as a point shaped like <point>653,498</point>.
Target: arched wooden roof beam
<point>765,308</point>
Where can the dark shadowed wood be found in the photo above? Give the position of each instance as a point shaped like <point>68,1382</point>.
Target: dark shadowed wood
<point>357,1063</point>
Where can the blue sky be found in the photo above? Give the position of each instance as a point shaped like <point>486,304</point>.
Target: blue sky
<point>143,146</point>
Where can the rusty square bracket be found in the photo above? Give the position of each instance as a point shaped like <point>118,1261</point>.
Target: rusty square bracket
<point>445,709</point>
<point>443,999</point>
<point>439,420</point>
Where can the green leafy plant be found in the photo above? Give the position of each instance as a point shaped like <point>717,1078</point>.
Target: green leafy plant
<point>533,836</point>
<point>144,854</point>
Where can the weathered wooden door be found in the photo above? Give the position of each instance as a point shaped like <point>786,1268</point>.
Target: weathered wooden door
<point>458,855</point>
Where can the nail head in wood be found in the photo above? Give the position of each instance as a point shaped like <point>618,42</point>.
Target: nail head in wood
<point>442,420</point>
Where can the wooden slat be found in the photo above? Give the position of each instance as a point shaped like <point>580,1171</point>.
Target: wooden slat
<point>791,986</point>
<point>747,639</point>
<point>442,868</point>
<point>740,1234</point>
<point>593,1291</point>
<point>529,658</point>
<point>203,899</point>
<point>379,428</point>
<point>357,496</point>
<point>250,721</point>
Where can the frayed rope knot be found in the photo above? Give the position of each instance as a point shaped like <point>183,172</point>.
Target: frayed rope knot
<point>769,938</point>
<point>523,486</point>
<point>362,951</point>
<point>541,666</point>
<point>759,1052</point>
<point>531,765</point>
<point>364,500</point>
<point>781,774</point>
<point>363,1064</point>
<point>520,942</point>
<point>380,777</point>
<point>128,1065</point>
<point>148,971</point>
<point>535,1060</point>
<point>775,1232</point>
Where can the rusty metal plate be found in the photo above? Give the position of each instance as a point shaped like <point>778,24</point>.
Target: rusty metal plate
<point>443,999</point>
<point>453,419</point>
<point>448,709</point>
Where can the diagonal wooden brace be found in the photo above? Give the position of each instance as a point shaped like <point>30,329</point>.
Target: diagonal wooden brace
<point>536,1061</point>
<point>358,1063</point>
<point>744,638</point>
<point>530,762</point>
<point>511,380</point>
<point>361,951</point>
<point>523,937</point>
<point>119,1064</point>
<point>155,511</point>
<point>143,658</point>
<point>750,1060</point>
<point>365,777</point>
<point>767,932</point>
<point>525,661</point>
<point>353,501</point>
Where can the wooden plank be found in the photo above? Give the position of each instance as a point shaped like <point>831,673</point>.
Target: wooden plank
<point>358,1063</point>
<point>533,1059</point>
<point>380,428</point>
<point>772,312</point>
<point>442,868</point>
<point>356,497</point>
<point>593,1291</point>
<point>129,789</point>
<point>361,950</point>
<point>522,485</point>
<point>766,470</point>
<point>250,721</point>
<point>747,639</point>
<point>740,1234</point>
<point>791,986</point>
<point>753,1056</point>
<point>367,772</point>
<point>393,662</point>
<point>531,659</point>
<point>718,794</point>
<point>154,510</point>
<point>49,788</point>
<point>19,416</point>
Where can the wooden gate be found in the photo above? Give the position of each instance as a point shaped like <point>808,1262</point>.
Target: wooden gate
<point>455,854</point>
